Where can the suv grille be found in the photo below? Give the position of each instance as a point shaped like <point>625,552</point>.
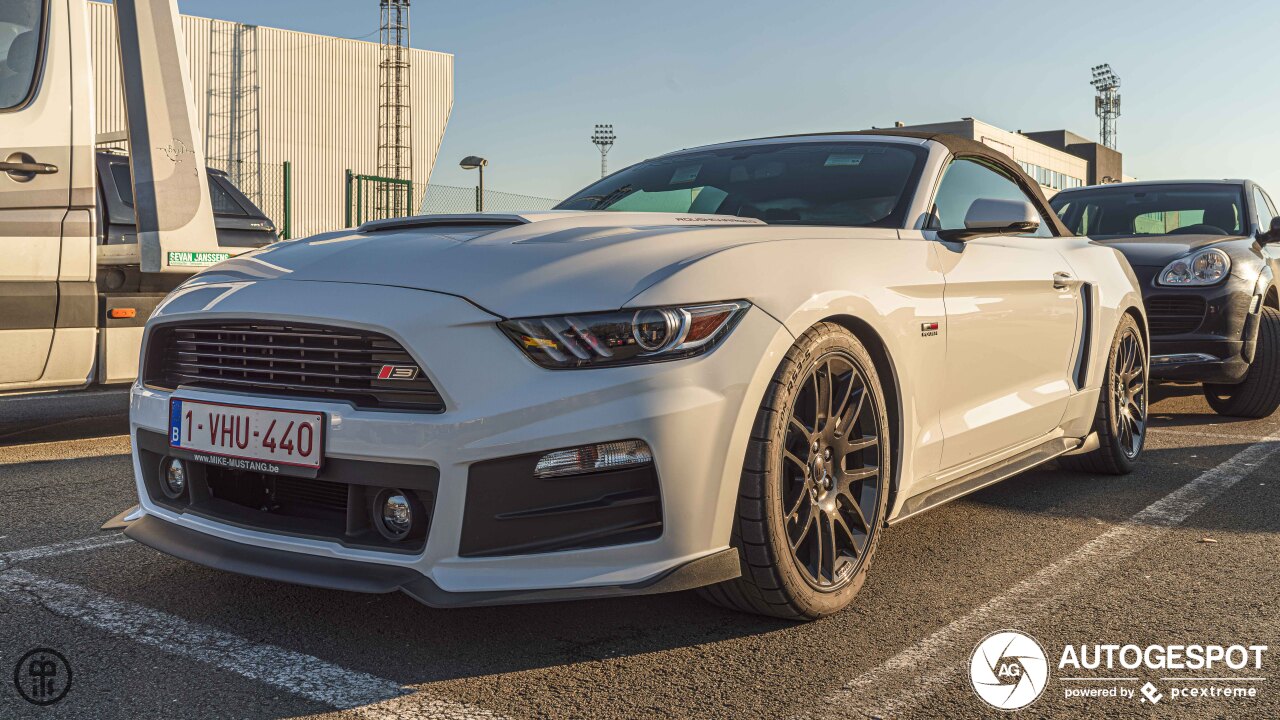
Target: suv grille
<point>1175,314</point>
<point>293,360</point>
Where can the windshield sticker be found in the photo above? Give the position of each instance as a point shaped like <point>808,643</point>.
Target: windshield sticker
<point>686,174</point>
<point>843,159</point>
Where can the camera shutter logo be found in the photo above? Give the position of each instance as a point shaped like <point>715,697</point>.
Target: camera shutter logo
<point>1008,670</point>
<point>42,676</point>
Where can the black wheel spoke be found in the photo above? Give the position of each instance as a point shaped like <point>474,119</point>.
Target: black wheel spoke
<point>856,507</point>
<point>843,526</point>
<point>847,423</point>
<point>860,444</point>
<point>790,456</point>
<point>809,523</point>
<point>800,428</point>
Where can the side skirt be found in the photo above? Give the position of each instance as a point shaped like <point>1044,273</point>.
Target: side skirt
<point>990,475</point>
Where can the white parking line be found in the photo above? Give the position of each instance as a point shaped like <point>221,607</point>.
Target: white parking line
<point>1209,435</point>
<point>62,548</point>
<point>356,694</point>
<point>907,679</point>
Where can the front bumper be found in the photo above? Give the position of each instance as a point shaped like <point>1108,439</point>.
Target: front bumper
<point>695,415</point>
<point>1217,347</point>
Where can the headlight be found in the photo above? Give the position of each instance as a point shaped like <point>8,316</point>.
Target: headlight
<point>626,337</point>
<point>1207,267</point>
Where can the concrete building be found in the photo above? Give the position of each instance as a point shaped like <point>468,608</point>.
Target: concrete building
<point>1057,159</point>
<point>267,96</point>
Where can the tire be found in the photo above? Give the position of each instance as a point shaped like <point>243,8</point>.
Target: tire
<point>1258,395</point>
<point>831,496</point>
<point>1121,419</point>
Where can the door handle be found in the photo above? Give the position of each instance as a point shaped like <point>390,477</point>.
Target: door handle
<point>28,168</point>
<point>1063,280</point>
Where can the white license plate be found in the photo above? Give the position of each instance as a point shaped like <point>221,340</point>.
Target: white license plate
<point>251,438</point>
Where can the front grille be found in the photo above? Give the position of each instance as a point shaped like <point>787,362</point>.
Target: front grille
<point>293,360</point>
<point>1175,314</point>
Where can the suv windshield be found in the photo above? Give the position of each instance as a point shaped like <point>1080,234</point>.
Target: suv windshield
<point>845,184</point>
<point>1181,209</point>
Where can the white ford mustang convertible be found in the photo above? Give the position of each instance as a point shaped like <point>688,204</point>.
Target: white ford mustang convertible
<point>726,368</point>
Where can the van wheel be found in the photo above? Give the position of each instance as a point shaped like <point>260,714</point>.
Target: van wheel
<point>815,483</point>
<point>1121,421</point>
<point>1259,395</point>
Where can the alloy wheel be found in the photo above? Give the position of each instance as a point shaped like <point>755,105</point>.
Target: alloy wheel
<point>831,465</point>
<point>1129,394</point>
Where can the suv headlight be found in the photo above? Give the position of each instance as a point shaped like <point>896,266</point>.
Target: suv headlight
<point>625,337</point>
<point>1206,267</point>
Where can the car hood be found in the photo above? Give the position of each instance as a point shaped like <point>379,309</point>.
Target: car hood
<point>1162,249</point>
<point>512,265</point>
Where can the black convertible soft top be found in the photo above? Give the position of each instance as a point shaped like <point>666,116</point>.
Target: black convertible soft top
<point>964,147</point>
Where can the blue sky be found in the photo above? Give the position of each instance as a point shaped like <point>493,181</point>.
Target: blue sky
<point>1200,95</point>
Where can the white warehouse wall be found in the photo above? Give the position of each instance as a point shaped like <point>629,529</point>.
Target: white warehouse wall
<point>318,105</point>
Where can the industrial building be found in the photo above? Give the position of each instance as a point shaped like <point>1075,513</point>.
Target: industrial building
<point>267,97</point>
<point>1057,159</point>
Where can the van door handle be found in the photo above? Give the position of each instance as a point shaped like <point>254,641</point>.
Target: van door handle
<point>1063,280</point>
<point>28,168</point>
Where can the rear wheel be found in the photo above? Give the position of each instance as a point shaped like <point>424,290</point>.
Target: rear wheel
<point>1259,395</point>
<point>1121,420</point>
<point>815,482</point>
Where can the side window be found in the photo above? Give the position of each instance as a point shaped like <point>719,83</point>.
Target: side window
<point>21,29</point>
<point>223,203</point>
<point>968,180</point>
<point>1265,213</point>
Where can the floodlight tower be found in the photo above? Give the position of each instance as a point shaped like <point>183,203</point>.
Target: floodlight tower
<point>604,138</point>
<point>1106,103</point>
<point>395,138</point>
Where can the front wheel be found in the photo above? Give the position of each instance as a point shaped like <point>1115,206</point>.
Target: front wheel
<point>1121,420</point>
<point>1259,395</point>
<point>814,484</point>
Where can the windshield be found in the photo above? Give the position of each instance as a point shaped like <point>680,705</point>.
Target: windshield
<point>864,184</point>
<point>1182,209</point>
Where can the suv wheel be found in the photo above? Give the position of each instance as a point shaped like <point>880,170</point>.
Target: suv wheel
<point>1259,394</point>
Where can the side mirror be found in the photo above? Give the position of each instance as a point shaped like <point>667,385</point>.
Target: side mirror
<point>988,216</point>
<point>1273,234</point>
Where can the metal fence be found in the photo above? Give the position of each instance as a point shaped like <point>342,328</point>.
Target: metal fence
<point>449,199</point>
<point>268,185</point>
<point>369,197</point>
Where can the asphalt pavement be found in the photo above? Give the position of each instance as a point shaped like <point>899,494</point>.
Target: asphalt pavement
<point>1182,552</point>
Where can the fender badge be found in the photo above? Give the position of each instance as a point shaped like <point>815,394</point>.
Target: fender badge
<point>928,329</point>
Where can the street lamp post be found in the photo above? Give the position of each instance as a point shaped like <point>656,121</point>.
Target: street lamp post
<point>475,162</point>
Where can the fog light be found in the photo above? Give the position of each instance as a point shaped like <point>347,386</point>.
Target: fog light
<point>594,458</point>
<point>395,513</point>
<point>173,479</point>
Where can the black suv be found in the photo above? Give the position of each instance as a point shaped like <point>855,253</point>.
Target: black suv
<point>1202,252</point>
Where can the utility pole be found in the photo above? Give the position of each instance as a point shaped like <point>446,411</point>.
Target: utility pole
<point>604,138</point>
<point>1106,102</point>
